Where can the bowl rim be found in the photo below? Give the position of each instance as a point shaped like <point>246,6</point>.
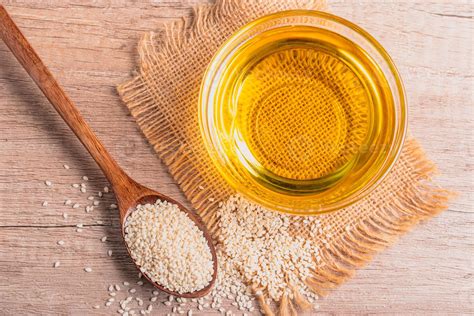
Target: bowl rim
<point>400,128</point>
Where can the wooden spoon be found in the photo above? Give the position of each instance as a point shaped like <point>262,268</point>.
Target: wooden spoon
<point>128,192</point>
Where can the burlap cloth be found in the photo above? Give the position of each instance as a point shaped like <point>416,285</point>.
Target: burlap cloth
<point>163,99</point>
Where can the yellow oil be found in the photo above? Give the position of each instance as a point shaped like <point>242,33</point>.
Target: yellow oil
<point>303,112</point>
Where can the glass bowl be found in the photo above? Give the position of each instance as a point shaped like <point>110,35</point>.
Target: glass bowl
<point>302,112</point>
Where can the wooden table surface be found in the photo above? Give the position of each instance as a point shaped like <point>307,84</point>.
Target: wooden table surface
<point>91,47</point>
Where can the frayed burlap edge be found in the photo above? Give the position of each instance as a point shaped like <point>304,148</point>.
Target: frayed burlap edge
<point>349,250</point>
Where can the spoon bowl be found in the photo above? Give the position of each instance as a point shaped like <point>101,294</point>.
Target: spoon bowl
<point>147,196</point>
<point>128,192</point>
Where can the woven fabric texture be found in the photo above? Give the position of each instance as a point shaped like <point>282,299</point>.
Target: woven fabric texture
<point>163,99</point>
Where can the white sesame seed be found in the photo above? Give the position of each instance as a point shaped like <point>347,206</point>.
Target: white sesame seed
<point>76,205</point>
<point>99,222</point>
<point>88,269</point>
<point>154,298</point>
<point>67,202</point>
<point>66,167</point>
<point>56,264</point>
<point>96,203</point>
<point>109,253</point>
<point>85,178</point>
<point>45,203</point>
<point>75,185</point>
<point>79,230</point>
<point>90,198</point>
<point>48,183</point>
<point>83,185</point>
<point>140,283</point>
<point>80,225</point>
<point>113,206</point>
<point>99,194</point>
<point>132,291</point>
<point>60,242</point>
<point>65,216</point>
<point>95,306</point>
<point>106,189</point>
<point>126,283</point>
<point>169,219</point>
<point>117,287</point>
<point>83,190</point>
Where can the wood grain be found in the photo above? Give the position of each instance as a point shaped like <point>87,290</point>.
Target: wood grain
<point>90,47</point>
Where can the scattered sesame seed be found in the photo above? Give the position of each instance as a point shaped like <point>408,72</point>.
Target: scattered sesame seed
<point>95,306</point>
<point>154,298</point>
<point>66,167</point>
<point>113,206</point>
<point>85,178</point>
<point>99,222</point>
<point>48,183</point>
<point>88,269</point>
<point>90,198</point>
<point>79,230</point>
<point>132,291</point>
<point>117,287</point>
<point>65,216</point>
<point>56,264</point>
<point>76,205</point>
<point>103,239</point>
<point>140,283</point>
<point>60,242</point>
<point>99,194</point>
<point>83,190</point>
<point>75,185</point>
<point>109,252</point>
<point>126,283</point>
<point>106,189</point>
<point>67,202</point>
<point>96,203</point>
<point>45,203</point>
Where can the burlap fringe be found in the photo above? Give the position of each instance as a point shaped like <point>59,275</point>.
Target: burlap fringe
<point>353,249</point>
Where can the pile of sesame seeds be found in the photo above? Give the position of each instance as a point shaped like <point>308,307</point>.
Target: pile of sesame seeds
<point>169,247</point>
<point>259,244</point>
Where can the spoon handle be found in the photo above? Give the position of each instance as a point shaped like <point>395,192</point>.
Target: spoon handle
<point>32,63</point>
